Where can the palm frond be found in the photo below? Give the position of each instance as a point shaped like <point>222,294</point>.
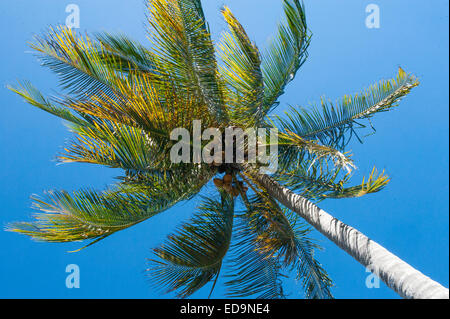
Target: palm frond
<point>375,183</point>
<point>116,146</point>
<point>96,73</point>
<point>315,280</point>
<point>184,50</point>
<point>34,97</point>
<point>286,54</point>
<point>156,107</point>
<point>88,214</point>
<point>105,78</point>
<point>193,256</point>
<point>241,73</point>
<point>251,272</point>
<point>335,124</point>
<point>101,141</point>
<point>132,56</point>
<point>279,234</point>
<point>292,146</point>
<point>317,180</point>
<point>84,67</point>
<point>312,180</point>
<point>196,6</point>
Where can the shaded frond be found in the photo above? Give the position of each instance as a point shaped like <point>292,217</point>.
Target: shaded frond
<point>315,180</point>
<point>251,272</point>
<point>292,146</point>
<point>281,235</point>
<point>193,256</point>
<point>131,56</point>
<point>311,180</point>
<point>183,179</point>
<point>196,6</point>
<point>315,280</point>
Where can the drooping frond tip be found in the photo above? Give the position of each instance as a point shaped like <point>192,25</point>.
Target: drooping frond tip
<point>193,256</point>
<point>374,183</point>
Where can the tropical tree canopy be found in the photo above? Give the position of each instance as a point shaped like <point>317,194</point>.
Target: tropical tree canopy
<point>122,100</point>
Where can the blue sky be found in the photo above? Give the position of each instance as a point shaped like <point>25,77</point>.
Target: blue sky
<point>410,217</point>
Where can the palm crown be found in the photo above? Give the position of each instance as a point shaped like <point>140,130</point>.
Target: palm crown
<point>122,100</point>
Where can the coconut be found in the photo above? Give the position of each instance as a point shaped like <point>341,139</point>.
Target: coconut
<point>227,179</point>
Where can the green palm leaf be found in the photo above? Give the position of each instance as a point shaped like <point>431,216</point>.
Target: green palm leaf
<point>292,147</point>
<point>286,54</point>
<point>251,272</point>
<point>34,97</point>
<point>335,124</point>
<point>84,67</point>
<point>315,280</point>
<point>375,183</point>
<point>131,56</point>
<point>316,180</point>
<point>241,73</point>
<point>279,234</point>
<point>193,256</point>
<point>185,50</point>
<point>117,146</point>
<point>87,214</point>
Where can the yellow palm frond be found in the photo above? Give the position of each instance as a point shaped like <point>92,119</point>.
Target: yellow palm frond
<point>241,73</point>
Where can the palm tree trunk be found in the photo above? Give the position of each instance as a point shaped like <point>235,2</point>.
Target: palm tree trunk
<point>395,273</point>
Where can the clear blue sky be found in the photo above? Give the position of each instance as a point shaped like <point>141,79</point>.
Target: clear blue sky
<point>410,217</point>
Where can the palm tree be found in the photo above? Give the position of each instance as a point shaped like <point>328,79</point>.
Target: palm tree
<point>122,101</point>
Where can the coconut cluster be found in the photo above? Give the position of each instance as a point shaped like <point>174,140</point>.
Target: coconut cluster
<point>226,183</point>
